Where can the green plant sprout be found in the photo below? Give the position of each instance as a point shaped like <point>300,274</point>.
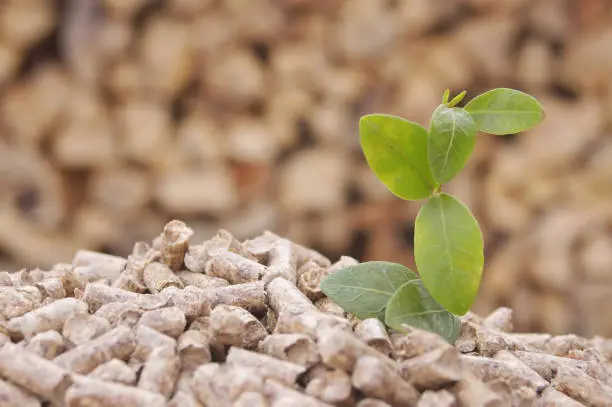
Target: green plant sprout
<point>414,163</point>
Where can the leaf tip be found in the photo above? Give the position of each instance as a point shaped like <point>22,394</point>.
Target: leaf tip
<point>364,120</point>
<point>445,96</point>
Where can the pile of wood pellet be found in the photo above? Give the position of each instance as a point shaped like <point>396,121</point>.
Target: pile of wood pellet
<point>119,115</point>
<point>243,323</point>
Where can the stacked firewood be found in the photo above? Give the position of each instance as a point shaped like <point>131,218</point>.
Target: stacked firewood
<point>118,115</point>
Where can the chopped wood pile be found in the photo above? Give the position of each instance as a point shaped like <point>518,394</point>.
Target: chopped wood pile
<point>119,115</point>
<point>231,323</point>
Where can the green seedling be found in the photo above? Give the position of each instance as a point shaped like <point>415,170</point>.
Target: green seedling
<point>414,163</point>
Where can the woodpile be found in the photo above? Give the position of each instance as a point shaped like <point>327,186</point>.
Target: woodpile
<point>78,335</point>
<point>117,116</point>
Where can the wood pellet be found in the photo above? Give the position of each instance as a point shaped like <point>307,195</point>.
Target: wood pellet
<point>243,324</point>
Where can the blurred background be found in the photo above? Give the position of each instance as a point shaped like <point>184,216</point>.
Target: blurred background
<point>119,115</point>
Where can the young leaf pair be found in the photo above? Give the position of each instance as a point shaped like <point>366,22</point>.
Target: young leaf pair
<point>392,293</point>
<point>413,163</point>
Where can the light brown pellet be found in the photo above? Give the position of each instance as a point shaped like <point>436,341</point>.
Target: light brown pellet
<point>309,279</point>
<point>170,321</point>
<point>15,302</point>
<point>234,268</point>
<point>3,338</point>
<point>193,348</point>
<point>372,377</point>
<point>266,366</point>
<point>5,279</point>
<point>148,302</point>
<point>120,313</point>
<point>94,266</point>
<point>118,343</point>
<point>144,251</point>
<point>184,381</point>
<point>49,317</point>
<point>114,370</point>
<point>295,348</point>
<point>326,305</point>
<point>131,279</point>
<point>434,369</point>
<point>203,325</point>
<point>281,395</point>
<point>500,319</point>
<point>148,339</point>
<point>442,398</point>
<point>158,276</point>
<point>71,281</point>
<point>201,280</point>
<point>260,246</point>
<point>305,254</point>
<point>160,373</point>
<point>236,326</point>
<point>221,385</point>
<point>285,296</point>
<point>332,386</point>
<point>97,295</point>
<point>373,332</point>
<point>250,296</point>
<point>506,367</point>
<point>34,373</point>
<point>27,277</point>
<point>52,288</point>
<point>282,261</point>
<point>198,255</point>
<point>368,402</point>
<point>471,391</point>
<point>310,323</point>
<point>341,349</point>
<point>47,344</point>
<point>184,399</point>
<point>192,301</point>
<point>104,281</point>
<point>417,342</point>
<point>269,320</point>
<point>12,395</point>
<point>581,387</point>
<point>80,328</point>
<point>89,392</point>
<point>174,243</point>
<point>251,399</point>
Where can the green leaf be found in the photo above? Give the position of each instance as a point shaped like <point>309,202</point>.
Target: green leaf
<point>505,111</point>
<point>445,96</point>
<point>412,305</point>
<point>365,289</point>
<point>457,99</point>
<point>396,151</point>
<point>452,137</point>
<point>448,251</point>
